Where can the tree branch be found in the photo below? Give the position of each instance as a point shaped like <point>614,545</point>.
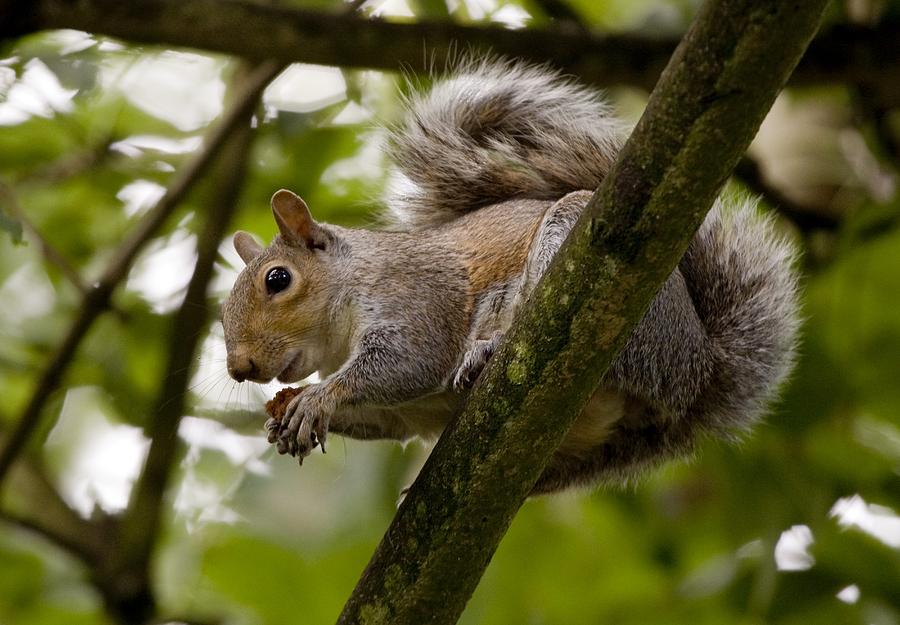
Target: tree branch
<point>141,521</point>
<point>49,531</point>
<point>46,513</point>
<point>725,74</point>
<point>50,253</point>
<point>97,300</point>
<point>845,54</point>
<point>560,10</point>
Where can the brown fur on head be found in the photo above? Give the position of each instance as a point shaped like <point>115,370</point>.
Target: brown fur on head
<point>275,317</point>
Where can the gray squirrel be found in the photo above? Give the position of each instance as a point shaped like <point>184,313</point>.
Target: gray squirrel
<point>493,166</point>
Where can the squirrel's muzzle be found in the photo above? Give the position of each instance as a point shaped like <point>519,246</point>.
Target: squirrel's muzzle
<point>242,368</point>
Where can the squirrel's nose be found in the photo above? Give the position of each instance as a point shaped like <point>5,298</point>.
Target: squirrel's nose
<point>242,368</point>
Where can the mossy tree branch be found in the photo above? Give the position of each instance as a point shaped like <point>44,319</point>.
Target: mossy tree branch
<point>846,54</point>
<point>708,104</point>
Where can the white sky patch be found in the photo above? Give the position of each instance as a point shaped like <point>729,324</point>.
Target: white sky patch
<point>70,41</point>
<point>877,521</point>
<point>393,8</point>
<point>241,450</point>
<point>27,293</point>
<point>303,88</point>
<point>226,273</point>
<point>511,15</point>
<point>136,145</point>
<point>353,113</point>
<point>850,594</point>
<point>164,270</point>
<point>368,163</point>
<point>7,78</point>
<point>140,195</point>
<point>181,88</point>
<point>792,549</point>
<point>203,500</point>
<point>102,458</point>
<point>110,46</point>
<point>37,93</point>
<point>478,9</point>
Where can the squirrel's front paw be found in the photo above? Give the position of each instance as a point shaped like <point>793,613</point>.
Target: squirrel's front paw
<point>474,362</point>
<point>304,426</point>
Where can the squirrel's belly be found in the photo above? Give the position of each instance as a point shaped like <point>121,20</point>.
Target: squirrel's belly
<point>592,426</point>
<point>427,416</point>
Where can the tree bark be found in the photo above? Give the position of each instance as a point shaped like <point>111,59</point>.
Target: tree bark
<point>710,100</point>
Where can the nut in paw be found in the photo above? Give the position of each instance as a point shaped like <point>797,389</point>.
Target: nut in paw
<point>298,420</point>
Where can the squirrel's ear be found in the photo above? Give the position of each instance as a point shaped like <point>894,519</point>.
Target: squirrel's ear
<point>246,246</point>
<point>295,221</point>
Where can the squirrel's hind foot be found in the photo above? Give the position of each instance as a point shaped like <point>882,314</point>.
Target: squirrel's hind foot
<point>474,362</point>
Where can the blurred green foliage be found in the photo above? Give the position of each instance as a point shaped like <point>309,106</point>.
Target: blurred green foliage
<point>250,538</point>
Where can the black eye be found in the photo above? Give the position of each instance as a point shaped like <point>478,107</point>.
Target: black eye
<point>278,279</point>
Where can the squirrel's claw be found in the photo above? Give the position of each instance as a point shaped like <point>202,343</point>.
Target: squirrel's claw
<point>303,427</point>
<point>474,362</point>
<point>282,446</point>
<point>272,426</point>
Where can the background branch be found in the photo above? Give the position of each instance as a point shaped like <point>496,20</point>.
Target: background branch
<point>53,256</point>
<point>140,524</point>
<point>725,74</point>
<point>844,54</point>
<point>559,10</point>
<point>46,513</point>
<point>97,300</point>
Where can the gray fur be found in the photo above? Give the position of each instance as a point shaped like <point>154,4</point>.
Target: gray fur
<point>709,354</point>
<point>718,340</point>
<point>492,167</point>
<point>495,131</point>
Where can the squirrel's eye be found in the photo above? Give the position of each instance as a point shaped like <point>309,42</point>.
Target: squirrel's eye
<point>278,279</point>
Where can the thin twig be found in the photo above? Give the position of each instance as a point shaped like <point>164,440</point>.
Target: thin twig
<point>48,514</point>
<point>49,252</point>
<point>49,532</point>
<point>560,10</point>
<point>140,523</point>
<point>353,6</point>
<point>96,301</point>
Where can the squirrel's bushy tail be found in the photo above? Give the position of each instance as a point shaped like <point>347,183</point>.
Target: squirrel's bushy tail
<point>743,284</point>
<point>494,131</point>
<point>740,276</point>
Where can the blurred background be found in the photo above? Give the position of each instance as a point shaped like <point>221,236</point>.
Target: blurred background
<point>797,524</point>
